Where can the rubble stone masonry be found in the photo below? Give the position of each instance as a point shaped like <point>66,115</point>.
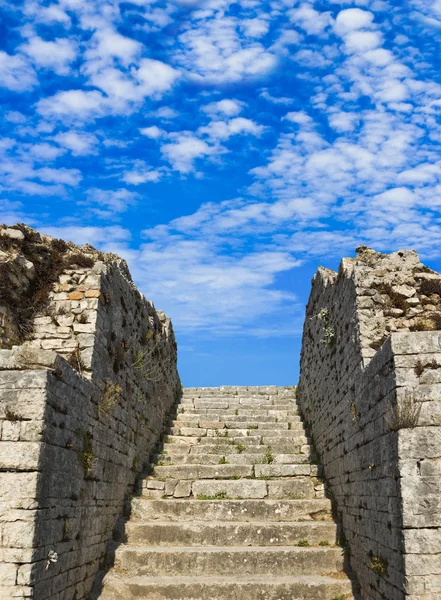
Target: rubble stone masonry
<point>370,394</point>
<point>87,378</point>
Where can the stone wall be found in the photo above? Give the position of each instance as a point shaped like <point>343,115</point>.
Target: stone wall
<point>369,392</point>
<point>86,382</point>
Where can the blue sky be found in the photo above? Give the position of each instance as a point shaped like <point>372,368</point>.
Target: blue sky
<point>225,149</point>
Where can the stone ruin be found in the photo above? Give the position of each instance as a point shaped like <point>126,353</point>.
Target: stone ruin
<point>370,396</point>
<point>86,382</point>
<point>88,379</point>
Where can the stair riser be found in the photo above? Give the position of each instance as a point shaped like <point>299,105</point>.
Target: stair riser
<point>234,459</point>
<point>250,561</point>
<point>245,423</point>
<point>243,394</point>
<point>225,471</point>
<point>203,472</point>
<point>259,416</point>
<point>237,534</point>
<point>228,591</point>
<point>298,488</point>
<point>220,406</point>
<point>241,412</point>
<point>292,488</point>
<point>231,510</point>
<point>222,449</point>
<point>280,445</point>
<point>192,431</point>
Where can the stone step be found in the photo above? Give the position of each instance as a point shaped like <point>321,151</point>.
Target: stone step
<point>248,419</point>
<point>232,510</point>
<point>248,412</point>
<point>233,459</point>
<point>226,588</point>
<point>225,471</point>
<point>184,431</point>
<point>281,425</point>
<point>203,471</point>
<point>221,405</point>
<point>251,397</point>
<point>241,390</point>
<point>258,533</point>
<point>221,448</point>
<point>212,489</point>
<point>289,437</point>
<point>212,560</point>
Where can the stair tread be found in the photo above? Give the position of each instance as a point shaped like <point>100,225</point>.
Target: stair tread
<point>227,578</point>
<point>230,549</point>
<point>195,522</point>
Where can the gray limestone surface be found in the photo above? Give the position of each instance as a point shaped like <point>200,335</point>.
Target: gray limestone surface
<point>370,397</point>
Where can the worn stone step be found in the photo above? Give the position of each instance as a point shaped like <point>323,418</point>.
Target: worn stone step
<point>244,425</point>
<point>290,439</point>
<point>235,471</point>
<point>212,560</point>
<point>257,533</point>
<point>233,418</point>
<point>234,459</point>
<point>184,431</point>
<point>249,412</point>
<point>287,436</point>
<point>239,389</point>
<point>299,487</point>
<point>232,397</point>
<point>220,448</point>
<point>309,510</point>
<point>221,405</point>
<point>202,489</point>
<point>204,471</point>
<point>251,391</point>
<point>227,588</point>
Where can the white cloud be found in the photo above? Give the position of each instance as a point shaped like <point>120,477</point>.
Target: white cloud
<point>126,89</point>
<point>115,200</point>
<point>396,198</point>
<point>164,112</point>
<point>45,152</point>
<point>276,99</point>
<point>53,13</point>
<point>343,121</point>
<point>212,50</point>
<point>184,150</point>
<point>255,28</point>
<point>13,116</point>
<point>156,77</point>
<point>361,41</point>
<point>223,130</point>
<point>56,55</point>
<point>300,117</point>
<point>107,44</point>
<point>73,104</point>
<point>310,20</point>
<point>152,132</point>
<point>61,175</point>
<point>352,19</point>
<point>141,173</point>
<point>227,107</point>
<point>16,73</point>
<point>80,143</point>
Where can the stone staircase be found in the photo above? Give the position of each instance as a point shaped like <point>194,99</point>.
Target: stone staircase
<point>233,508</point>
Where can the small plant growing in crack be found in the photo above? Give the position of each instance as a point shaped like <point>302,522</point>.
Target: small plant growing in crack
<point>405,414</point>
<point>110,397</point>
